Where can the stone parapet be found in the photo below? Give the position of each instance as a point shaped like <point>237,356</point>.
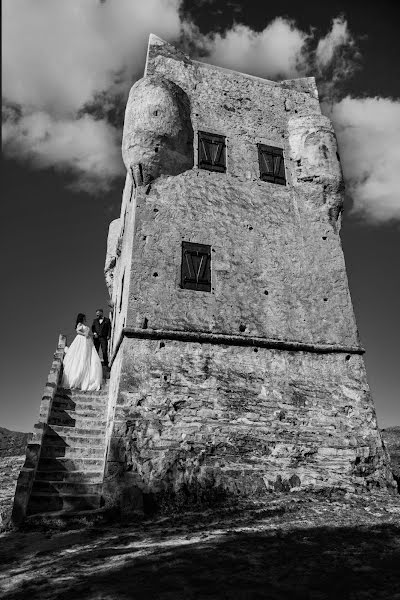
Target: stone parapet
<point>34,447</point>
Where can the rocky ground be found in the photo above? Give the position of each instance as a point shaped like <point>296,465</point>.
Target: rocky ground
<point>297,547</point>
<point>9,470</point>
<point>12,456</point>
<point>391,437</point>
<point>12,443</point>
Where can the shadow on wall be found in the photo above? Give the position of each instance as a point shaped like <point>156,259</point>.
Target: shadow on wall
<point>201,557</point>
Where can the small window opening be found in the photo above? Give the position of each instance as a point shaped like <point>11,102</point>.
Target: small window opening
<point>122,292</point>
<point>272,164</point>
<point>196,267</point>
<point>123,224</point>
<point>212,152</point>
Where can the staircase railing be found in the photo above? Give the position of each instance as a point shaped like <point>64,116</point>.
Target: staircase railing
<point>33,449</point>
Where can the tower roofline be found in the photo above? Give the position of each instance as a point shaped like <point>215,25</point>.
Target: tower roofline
<point>302,84</point>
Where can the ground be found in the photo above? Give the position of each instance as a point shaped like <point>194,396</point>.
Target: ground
<point>295,547</point>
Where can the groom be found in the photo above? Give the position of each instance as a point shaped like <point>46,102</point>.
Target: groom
<point>101,329</point>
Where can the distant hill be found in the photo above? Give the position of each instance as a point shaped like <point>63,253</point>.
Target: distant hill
<point>12,443</point>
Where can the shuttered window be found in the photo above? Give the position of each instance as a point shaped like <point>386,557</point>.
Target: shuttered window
<point>272,164</point>
<point>212,154</point>
<point>196,267</point>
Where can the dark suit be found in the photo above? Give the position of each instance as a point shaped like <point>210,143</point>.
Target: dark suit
<point>103,331</point>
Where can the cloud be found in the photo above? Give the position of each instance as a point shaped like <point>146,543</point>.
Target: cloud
<point>57,54</point>
<point>281,51</point>
<point>335,60</point>
<point>59,57</point>
<point>337,38</point>
<point>87,146</point>
<point>368,132</point>
<point>275,52</point>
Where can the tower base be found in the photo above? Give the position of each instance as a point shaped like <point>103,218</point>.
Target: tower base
<point>223,421</point>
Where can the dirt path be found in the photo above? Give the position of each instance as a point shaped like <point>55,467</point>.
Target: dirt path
<point>294,548</point>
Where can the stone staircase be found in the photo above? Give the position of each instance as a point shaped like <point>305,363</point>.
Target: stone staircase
<point>69,475</point>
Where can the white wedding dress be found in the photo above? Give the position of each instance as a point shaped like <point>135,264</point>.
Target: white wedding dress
<point>82,365</point>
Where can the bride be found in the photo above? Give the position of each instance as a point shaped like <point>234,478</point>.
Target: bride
<point>82,365</point>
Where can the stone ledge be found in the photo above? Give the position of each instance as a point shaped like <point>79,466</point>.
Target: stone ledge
<point>203,337</point>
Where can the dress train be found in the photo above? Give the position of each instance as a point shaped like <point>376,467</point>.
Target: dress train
<point>82,365</point>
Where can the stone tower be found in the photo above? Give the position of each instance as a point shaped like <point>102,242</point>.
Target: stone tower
<point>236,363</point>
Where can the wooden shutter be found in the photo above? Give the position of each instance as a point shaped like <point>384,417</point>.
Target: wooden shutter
<point>272,165</point>
<point>196,267</point>
<point>212,155</point>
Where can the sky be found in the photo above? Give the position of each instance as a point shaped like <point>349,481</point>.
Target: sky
<point>66,72</point>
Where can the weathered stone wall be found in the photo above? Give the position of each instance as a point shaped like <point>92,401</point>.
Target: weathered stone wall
<point>247,110</point>
<point>277,270</point>
<point>34,448</point>
<point>118,259</point>
<point>248,419</point>
<point>158,133</point>
<point>317,172</point>
<point>112,254</point>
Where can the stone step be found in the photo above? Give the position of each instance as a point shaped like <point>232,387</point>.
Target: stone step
<point>66,487</point>
<point>79,412</point>
<point>71,439</point>
<point>72,451</point>
<point>63,514</point>
<point>66,403</point>
<point>72,418</point>
<point>92,476</point>
<point>43,503</point>
<point>66,464</point>
<point>75,393</point>
<point>65,420</point>
<point>66,430</point>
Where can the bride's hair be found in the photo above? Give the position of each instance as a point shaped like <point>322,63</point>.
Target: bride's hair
<point>79,319</point>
